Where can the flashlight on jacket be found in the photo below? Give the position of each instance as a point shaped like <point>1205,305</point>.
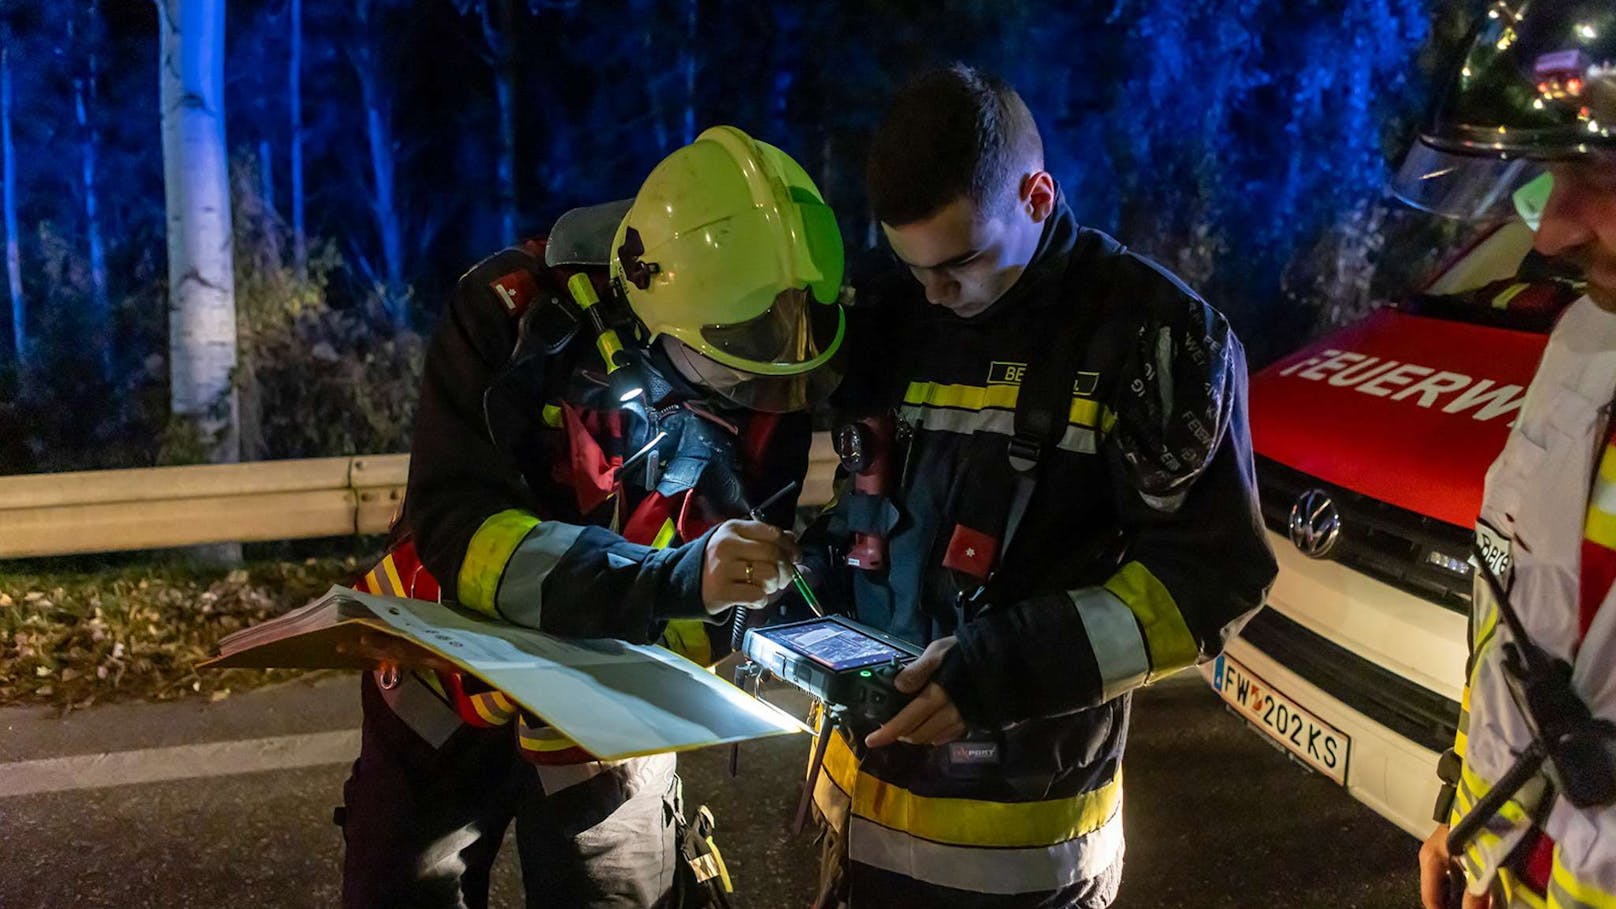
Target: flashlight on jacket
<point>622,381</point>
<point>865,449</point>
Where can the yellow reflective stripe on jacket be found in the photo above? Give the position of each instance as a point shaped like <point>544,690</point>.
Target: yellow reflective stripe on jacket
<point>686,637</point>
<point>384,579</point>
<point>493,706</point>
<point>1461,739</point>
<point>1516,894</point>
<point>968,822</point>
<point>1168,638</point>
<point>1083,412</point>
<point>965,397</point>
<point>1498,835</point>
<point>542,738</point>
<point>486,556</point>
<point>1567,892</point>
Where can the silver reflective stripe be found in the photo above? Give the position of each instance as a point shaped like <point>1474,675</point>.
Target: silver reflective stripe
<point>1561,898</point>
<point>964,422</point>
<point>1119,645</point>
<point>421,709</point>
<point>521,585</point>
<point>1165,504</point>
<point>997,870</point>
<point>1080,439</point>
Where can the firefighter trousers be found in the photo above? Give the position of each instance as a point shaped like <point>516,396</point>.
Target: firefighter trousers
<point>422,825</point>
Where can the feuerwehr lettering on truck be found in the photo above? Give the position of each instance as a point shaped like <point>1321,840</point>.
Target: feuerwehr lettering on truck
<point>1423,385</point>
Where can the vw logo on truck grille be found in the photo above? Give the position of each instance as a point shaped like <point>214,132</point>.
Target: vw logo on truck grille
<point>1315,525</point>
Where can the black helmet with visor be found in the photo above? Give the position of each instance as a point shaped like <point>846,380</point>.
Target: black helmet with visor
<point>1537,84</point>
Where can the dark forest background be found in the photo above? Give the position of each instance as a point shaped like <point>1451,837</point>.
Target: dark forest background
<point>1244,143</point>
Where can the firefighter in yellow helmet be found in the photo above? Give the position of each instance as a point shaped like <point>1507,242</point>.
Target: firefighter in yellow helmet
<point>599,407</point>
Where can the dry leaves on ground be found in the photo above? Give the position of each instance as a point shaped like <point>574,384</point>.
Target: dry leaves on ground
<point>73,640</point>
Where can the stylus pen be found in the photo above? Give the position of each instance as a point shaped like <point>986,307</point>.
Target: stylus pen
<point>797,579</point>
<point>738,626</point>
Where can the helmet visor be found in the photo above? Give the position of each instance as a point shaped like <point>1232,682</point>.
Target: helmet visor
<point>1538,81</point>
<point>792,336</point>
<point>754,391</point>
<point>1462,186</point>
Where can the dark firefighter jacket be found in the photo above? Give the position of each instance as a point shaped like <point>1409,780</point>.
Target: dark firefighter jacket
<point>1141,552</point>
<point>515,503</point>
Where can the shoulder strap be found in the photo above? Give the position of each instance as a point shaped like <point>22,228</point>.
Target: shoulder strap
<point>1045,401</point>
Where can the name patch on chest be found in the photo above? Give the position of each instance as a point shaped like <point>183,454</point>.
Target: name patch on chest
<point>1009,372</point>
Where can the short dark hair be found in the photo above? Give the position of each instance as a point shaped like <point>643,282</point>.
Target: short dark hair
<point>948,133</point>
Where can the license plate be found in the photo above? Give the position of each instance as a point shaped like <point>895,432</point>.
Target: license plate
<point>1322,746</point>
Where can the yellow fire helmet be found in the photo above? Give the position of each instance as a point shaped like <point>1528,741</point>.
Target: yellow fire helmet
<point>730,251</point>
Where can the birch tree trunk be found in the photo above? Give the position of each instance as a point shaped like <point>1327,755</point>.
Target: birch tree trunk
<point>376,96</point>
<point>294,86</point>
<point>8,162</point>
<point>196,179</point>
<point>84,94</point>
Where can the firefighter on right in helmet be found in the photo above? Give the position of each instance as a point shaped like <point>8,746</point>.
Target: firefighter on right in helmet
<point>1527,818</point>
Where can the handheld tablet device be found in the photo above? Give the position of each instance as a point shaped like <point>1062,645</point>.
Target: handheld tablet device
<point>838,661</point>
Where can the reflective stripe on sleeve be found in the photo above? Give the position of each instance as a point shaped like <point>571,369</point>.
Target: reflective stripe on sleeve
<point>1119,647</point>
<point>1500,834</point>
<point>520,595</point>
<point>487,554</point>
<point>1167,637</point>
<point>1566,891</point>
<point>493,707</point>
<point>1511,892</point>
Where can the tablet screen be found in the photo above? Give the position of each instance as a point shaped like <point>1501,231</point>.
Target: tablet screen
<point>837,646</point>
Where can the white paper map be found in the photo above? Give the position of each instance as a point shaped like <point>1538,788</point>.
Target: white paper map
<point>614,699</point>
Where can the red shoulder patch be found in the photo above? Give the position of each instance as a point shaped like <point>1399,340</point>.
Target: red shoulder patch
<point>516,290</point>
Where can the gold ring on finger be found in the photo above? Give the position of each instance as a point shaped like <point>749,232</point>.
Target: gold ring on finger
<point>748,571</point>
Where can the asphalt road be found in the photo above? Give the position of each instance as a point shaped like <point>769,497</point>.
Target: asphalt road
<point>1215,816</point>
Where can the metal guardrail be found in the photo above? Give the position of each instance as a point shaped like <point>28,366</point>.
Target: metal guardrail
<point>158,507</point>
